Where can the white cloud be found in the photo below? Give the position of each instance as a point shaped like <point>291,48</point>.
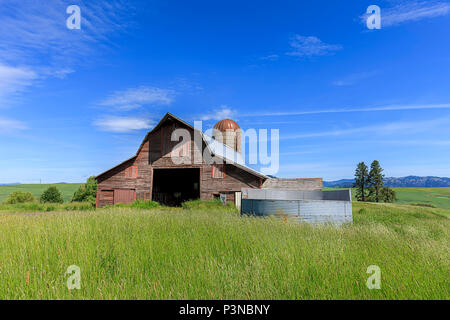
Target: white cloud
<point>411,11</point>
<point>135,98</point>
<point>62,73</point>
<point>219,114</point>
<point>353,78</point>
<point>37,32</point>
<point>347,110</point>
<point>35,37</point>
<point>8,125</point>
<point>382,129</point>
<point>271,57</point>
<point>14,80</point>
<point>311,46</point>
<point>123,124</point>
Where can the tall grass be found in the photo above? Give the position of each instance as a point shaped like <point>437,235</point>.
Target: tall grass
<point>126,253</point>
<point>31,207</point>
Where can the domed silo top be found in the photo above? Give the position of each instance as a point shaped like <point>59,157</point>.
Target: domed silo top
<point>228,132</point>
<point>227,124</point>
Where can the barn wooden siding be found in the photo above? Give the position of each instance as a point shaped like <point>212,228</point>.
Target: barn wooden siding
<point>155,154</point>
<point>136,174</point>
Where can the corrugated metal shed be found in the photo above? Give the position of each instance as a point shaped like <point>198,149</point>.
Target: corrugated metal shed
<point>333,207</point>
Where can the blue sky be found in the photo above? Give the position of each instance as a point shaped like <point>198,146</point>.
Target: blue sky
<point>74,103</point>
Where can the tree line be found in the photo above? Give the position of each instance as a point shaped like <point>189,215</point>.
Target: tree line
<point>87,192</point>
<point>369,184</point>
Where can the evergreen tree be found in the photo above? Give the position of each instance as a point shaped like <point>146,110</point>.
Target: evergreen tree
<point>376,182</point>
<point>361,180</point>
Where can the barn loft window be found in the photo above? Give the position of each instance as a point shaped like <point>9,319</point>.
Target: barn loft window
<point>218,171</point>
<point>131,172</point>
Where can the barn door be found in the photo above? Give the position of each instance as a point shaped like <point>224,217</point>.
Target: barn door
<point>124,196</point>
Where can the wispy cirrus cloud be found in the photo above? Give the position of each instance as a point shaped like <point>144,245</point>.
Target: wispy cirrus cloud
<point>270,57</point>
<point>9,125</point>
<point>311,46</point>
<point>14,80</point>
<point>383,129</point>
<point>135,98</point>
<point>221,113</point>
<point>123,124</point>
<point>35,43</point>
<point>353,78</point>
<point>408,11</point>
<point>37,32</point>
<point>348,110</point>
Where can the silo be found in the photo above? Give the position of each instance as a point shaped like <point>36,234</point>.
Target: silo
<point>228,132</point>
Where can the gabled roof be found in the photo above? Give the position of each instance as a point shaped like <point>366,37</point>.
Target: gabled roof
<point>216,148</point>
<point>132,158</point>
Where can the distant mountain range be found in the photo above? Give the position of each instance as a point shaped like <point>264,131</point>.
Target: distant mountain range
<point>410,181</point>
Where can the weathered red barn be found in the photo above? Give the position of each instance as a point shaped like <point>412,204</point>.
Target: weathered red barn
<point>192,167</point>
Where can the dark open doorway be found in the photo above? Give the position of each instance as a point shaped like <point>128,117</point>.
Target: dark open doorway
<point>172,187</point>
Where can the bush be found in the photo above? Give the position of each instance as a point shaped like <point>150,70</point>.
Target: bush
<point>19,197</point>
<point>78,206</point>
<point>138,204</point>
<point>206,205</point>
<point>51,195</point>
<point>87,192</point>
<point>388,195</point>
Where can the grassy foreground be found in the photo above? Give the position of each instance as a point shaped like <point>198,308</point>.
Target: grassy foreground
<point>210,254</point>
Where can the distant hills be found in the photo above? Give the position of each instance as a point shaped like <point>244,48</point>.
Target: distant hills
<point>16,183</point>
<point>410,181</point>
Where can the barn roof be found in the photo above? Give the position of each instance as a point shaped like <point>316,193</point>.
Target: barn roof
<point>132,158</point>
<point>216,148</point>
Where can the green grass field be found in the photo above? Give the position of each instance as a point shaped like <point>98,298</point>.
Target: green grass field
<point>438,197</point>
<point>67,189</point>
<point>214,254</point>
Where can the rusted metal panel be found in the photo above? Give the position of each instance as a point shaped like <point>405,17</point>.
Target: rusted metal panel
<point>293,184</point>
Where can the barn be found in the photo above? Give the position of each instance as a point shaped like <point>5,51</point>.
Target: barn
<point>177,162</point>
